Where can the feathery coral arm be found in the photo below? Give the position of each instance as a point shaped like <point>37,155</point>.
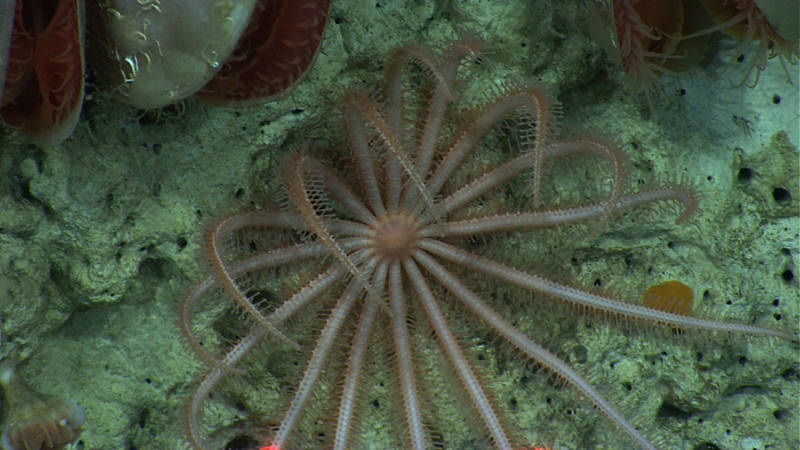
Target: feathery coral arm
<point>450,345</point>
<point>222,270</point>
<point>530,348</point>
<point>587,299</point>
<point>314,368</point>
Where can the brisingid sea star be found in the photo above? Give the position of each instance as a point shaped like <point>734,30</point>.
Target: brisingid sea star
<point>379,246</point>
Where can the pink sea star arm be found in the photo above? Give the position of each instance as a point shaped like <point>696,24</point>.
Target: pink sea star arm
<point>587,299</point>
<point>402,347</point>
<point>536,219</point>
<point>315,364</point>
<point>358,352</point>
<point>450,345</point>
<point>528,346</point>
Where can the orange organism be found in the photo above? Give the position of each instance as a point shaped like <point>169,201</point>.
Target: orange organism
<point>670,296</point>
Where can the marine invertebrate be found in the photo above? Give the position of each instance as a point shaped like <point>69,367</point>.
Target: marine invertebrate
<point>273,54</point>
<point>671,296</point>
<point>152,53</point>
<point>155,53</point>
<point>35,421</point>
<point>747,21</point>
<point>41,67</point>
<point>643,36</point>
<point>158,53</point>
<point>648,37</point>
<point>380,254</point>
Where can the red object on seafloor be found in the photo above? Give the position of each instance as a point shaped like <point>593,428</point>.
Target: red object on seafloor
<point>275,51</point>
<point>43,89</point>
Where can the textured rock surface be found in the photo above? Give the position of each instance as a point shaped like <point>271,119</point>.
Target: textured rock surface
<point>100,237</point>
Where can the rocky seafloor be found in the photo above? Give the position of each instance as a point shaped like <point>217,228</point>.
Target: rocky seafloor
<point>100,236</point>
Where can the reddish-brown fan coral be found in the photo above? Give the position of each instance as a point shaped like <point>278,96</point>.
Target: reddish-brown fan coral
<point>273,54</point>
<point>43,90</point>
<point>151,53</point>
<point>237,53</point>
